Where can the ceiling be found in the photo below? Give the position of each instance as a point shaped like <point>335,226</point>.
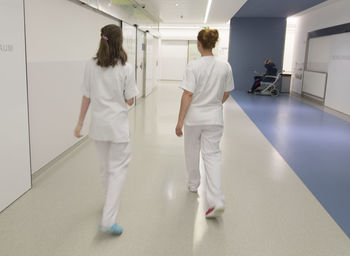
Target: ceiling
<point>221,11</point>
<point>150,15</point>
<point>275,8</point>
<point>192,11</point>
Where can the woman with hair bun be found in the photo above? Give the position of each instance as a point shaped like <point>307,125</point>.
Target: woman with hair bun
<point>207,84</point>
<point>109,86</point>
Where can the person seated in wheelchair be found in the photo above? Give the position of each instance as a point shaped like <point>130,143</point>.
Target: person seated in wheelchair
<point>271,70</point>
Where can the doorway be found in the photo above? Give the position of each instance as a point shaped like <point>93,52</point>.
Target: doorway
<point>140,63</point>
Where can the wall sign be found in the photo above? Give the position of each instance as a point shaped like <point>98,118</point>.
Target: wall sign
<point>6,47</point>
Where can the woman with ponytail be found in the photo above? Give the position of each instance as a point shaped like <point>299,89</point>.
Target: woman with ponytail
<point>109,86</point>
<point>207,84</point>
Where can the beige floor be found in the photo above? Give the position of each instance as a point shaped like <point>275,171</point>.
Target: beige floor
<point>269,211</point>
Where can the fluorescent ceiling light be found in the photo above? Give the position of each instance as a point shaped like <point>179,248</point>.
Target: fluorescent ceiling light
<point>179,27</point>
<point>207,11</point>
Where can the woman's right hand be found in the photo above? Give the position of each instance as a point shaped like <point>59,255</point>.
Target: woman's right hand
<point>77,131</point>
<point>178,129</point>
<point>130,102</point>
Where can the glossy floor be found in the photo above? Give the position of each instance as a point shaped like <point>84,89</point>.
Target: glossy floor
<point>269,211</point>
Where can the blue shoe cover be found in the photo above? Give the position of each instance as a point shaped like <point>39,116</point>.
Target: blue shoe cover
<point>115,230</point>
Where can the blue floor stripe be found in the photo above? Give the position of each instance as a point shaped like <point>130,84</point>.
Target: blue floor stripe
<point>314,143</point>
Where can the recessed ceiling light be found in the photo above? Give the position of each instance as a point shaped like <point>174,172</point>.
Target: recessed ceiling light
<point>176,4</point>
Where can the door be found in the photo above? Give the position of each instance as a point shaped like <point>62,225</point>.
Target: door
<point>173,59</point>
<point>140,63</point>
<point>15,173</point>
<point>149,64</point>
<point>129,44</point>
<point>156,69</point>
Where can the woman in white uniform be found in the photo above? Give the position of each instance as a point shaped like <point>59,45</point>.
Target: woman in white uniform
<point>109,86</point>
<point>207,84</point>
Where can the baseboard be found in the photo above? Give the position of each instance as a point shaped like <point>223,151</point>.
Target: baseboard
<point>59,157</point>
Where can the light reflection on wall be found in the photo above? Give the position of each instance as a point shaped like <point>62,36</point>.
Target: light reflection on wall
<point>127,11</point>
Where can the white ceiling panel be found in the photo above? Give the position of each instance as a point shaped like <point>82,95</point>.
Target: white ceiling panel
<point>192,11</point>
<point>223,10</point>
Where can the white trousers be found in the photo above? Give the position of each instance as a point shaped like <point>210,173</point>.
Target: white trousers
<point>205,140</point>
<point>114,160</point>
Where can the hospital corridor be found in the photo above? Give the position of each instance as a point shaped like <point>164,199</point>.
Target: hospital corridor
<point>269,211</point>
<point>111,136</point>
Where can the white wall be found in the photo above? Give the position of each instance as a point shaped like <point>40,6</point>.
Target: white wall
<point>61,37</point>
<point>337,94</point>
<point>190,32</point>
<point>174,46</point>
<point>173,59</point>
<point>330,13</point>
<point>14,137</point>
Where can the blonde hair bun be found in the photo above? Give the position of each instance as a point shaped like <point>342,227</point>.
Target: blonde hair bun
<point>208,38</point>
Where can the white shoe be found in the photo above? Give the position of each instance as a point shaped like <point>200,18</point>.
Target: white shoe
<point>192,190</point>
<point>214,212</point>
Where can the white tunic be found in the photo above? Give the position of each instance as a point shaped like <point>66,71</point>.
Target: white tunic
<point>207,78</point>
<point>108,88</point>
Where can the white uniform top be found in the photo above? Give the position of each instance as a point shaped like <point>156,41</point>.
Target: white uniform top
<point>108,88</point>
<point>207,78</point>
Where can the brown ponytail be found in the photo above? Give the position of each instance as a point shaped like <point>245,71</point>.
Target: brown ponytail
<point>208,38</point>
<point>111,51</point>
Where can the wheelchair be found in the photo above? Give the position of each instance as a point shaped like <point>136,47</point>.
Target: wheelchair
<point>269,88</point>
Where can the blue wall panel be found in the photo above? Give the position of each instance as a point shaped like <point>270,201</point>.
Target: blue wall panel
<point>275,8</point>
<point>252,40</point>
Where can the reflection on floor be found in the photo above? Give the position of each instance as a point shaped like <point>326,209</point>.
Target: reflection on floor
<point>269,211</point>
<point>320,105</point>
<point>314,143</point>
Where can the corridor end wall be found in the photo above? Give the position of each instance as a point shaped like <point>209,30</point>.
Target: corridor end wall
<point>253,40</point>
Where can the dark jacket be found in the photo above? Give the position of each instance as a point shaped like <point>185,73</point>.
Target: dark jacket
<point>271,69</point>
